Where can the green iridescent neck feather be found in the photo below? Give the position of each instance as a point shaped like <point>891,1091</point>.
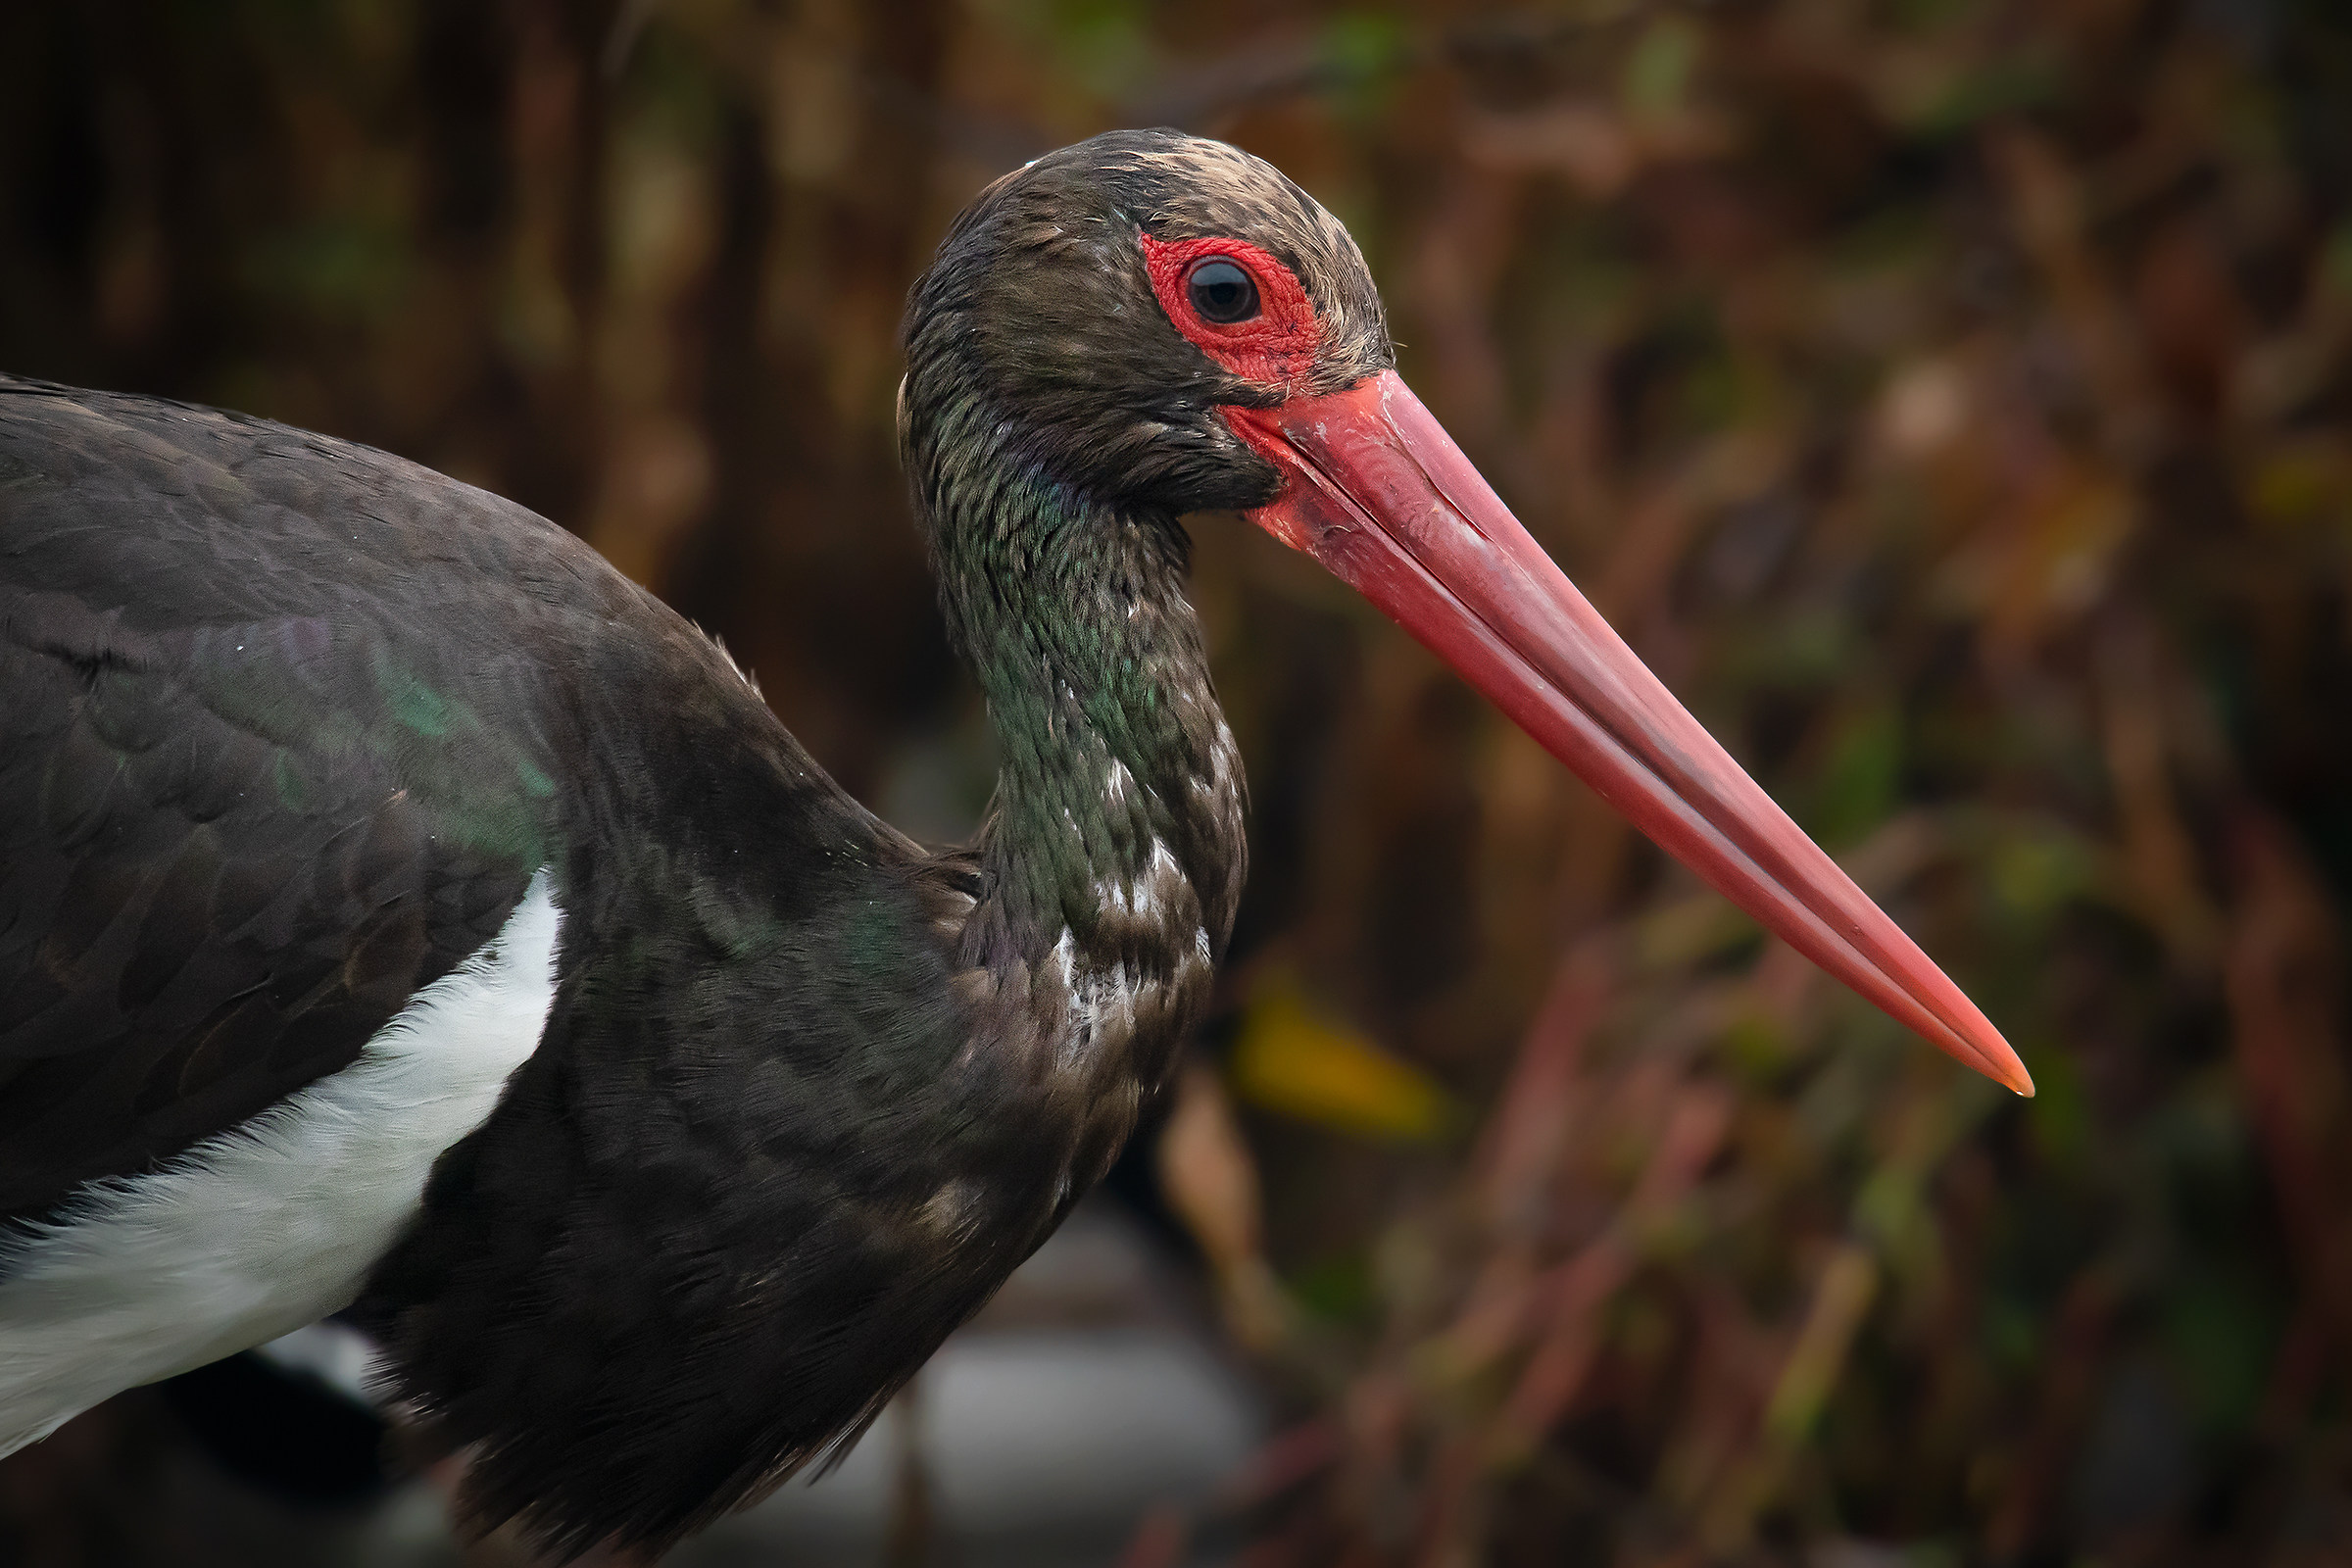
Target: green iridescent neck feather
<point>1118,816</point>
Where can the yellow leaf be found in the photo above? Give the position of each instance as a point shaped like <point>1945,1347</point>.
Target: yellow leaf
<point>1290,1059</point>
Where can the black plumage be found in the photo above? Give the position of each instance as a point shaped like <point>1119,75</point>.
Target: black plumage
<point>291,723</point>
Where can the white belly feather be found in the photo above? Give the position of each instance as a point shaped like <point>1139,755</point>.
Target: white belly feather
<point>273,1223</point>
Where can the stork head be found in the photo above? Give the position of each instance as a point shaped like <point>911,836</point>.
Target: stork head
<point>1165,324</point>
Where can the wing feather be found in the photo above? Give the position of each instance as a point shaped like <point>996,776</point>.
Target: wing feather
<point>248,803</point>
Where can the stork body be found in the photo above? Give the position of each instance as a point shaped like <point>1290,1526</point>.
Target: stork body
<point>399,908</point>
<point>339,727</point>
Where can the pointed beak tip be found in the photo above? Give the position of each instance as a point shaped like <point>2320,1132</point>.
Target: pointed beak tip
<point>1998,1060</point>
<point>1969,1038</point>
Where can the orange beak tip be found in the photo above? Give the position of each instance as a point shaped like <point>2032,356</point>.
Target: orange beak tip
<point>1998,1061</point>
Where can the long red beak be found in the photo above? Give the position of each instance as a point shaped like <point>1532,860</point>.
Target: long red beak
<point>1377,493</point>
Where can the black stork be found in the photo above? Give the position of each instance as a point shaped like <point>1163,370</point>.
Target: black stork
<point>399,910</point>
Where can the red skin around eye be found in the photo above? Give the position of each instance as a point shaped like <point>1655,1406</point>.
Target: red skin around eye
<point>1275,347</point>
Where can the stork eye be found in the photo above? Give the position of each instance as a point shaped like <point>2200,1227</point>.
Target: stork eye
<point>1221,291</point>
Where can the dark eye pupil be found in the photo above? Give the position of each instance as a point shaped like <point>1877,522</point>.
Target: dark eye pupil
<point>1222,292</point>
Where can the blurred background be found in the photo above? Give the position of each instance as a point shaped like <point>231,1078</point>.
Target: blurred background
<point>1951,400</point>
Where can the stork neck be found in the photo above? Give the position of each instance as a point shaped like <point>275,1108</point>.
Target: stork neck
<point>1118,836</point>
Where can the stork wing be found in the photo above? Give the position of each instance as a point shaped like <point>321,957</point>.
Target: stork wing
<point>253,794</point>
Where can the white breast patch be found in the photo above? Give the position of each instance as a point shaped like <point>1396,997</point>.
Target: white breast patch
<point>273,1223</point>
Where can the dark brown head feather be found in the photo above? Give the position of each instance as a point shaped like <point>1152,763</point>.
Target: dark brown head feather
<point>1040,296</point>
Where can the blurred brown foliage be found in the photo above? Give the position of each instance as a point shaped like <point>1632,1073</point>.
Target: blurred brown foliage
<point>1950,400</point>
